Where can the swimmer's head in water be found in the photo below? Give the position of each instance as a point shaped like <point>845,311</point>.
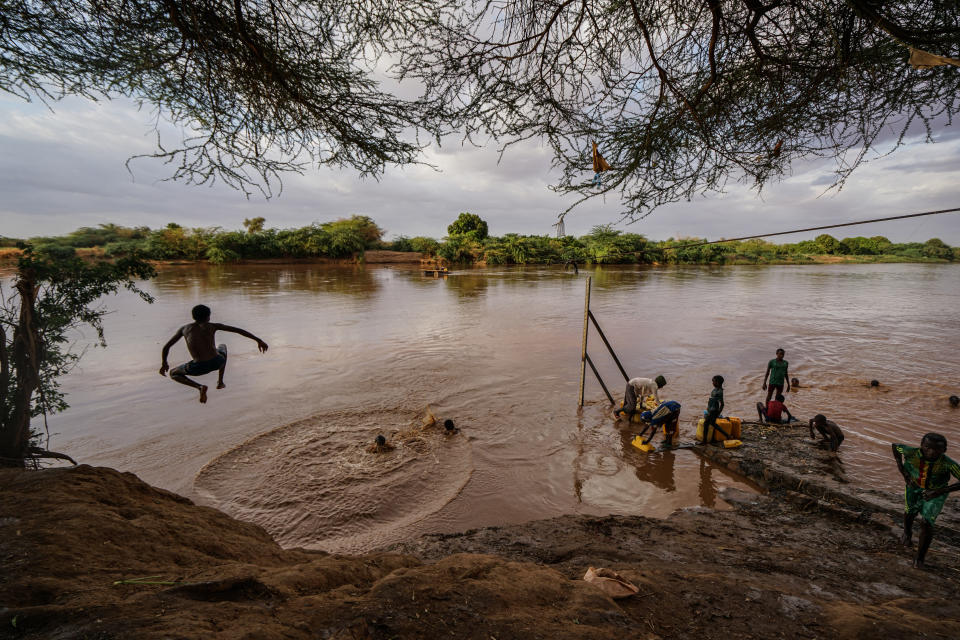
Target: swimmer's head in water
<point>795,382</point>
<point>874,383</point>
<point>933,446</point>
<point>200,313</point>
<point>381,440</point>
<point>954,401</point>
<point>448,425</point>
<point>661,382</point>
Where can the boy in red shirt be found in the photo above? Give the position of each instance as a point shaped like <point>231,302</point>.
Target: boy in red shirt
<point>774,411</point>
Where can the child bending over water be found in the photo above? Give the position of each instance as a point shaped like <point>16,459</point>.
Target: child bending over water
<point>828,429</point>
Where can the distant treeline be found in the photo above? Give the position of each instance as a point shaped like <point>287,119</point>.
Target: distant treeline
<point>467,241</point>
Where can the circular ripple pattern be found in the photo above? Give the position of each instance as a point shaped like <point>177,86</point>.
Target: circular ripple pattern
<point>314,483</point>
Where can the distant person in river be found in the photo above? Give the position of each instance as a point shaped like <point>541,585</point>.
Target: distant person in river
<point>828,429</point>
<point>637,390</point>
<point>666,415</point>
<point>777,374</point>
<point>926,470</point>
<point>954,401</point>
<point>449,428</point>
<point>199,336</point>
<point>774,411</point>
<point>714,409</point>
<point>380,445</point>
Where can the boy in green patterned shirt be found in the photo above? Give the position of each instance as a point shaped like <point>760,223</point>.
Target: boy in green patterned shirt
<point>927,472</point>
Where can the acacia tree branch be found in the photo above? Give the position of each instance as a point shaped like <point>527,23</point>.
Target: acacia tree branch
<point>664,76</point>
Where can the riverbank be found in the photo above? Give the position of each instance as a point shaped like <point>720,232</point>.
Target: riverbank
<point>93,553</point>
<point>785,459</point>
<point>9,256</point>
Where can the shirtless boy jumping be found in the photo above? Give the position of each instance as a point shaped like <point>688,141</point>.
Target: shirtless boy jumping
<point>206,357</point>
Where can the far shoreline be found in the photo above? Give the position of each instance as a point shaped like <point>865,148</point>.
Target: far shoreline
<point>9,256</point>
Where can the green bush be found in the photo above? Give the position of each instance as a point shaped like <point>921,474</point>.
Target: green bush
<point>830,245</point>
<point>469,223</point>
<point>402,243</point>
<point>346,237</point>
<point>937,248</point>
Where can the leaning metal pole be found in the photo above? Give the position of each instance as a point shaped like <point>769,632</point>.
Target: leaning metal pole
<point>596,325</point>
<point>583,347</point>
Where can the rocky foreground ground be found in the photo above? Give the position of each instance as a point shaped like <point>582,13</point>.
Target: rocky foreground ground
<point>94,553</point>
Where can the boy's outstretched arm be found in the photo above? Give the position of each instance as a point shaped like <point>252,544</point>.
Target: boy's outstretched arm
<point>260,343</point>
<point>766,374</point>
<point>810,424</point>
<point>164,367</point>
<point>929,494</point>
<point>789,415</point>
<point>899,458</point>
<point>786,376</point>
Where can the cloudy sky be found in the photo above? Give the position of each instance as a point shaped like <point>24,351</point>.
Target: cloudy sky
<point>66,169</point>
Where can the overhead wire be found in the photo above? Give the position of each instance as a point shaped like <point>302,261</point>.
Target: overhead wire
<point>828,226</point>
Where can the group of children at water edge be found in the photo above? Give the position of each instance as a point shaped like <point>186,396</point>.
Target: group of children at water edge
<point>774,411</point>
<point>926,469</point>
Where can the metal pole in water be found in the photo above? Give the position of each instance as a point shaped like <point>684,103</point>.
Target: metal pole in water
<point>583,348</point>
<point>596,324</point>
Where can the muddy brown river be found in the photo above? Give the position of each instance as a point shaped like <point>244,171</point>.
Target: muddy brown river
<point>357,351</point>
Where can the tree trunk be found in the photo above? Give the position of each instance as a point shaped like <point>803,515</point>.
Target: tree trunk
<point>15,435</point>
<point>4,377</point>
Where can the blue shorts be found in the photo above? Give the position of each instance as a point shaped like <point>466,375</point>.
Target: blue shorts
<point>194,368</point>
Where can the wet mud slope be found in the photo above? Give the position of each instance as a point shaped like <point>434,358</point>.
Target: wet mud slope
<point>786,461</point>
<point>93,553</point>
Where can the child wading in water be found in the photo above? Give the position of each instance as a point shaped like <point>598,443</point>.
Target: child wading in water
<point>927,471</point>
<point>714,409</point>
<point>199,336</point>
<point>380,445</point>
<point>777,373</point>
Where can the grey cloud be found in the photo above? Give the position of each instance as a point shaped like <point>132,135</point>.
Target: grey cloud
<point>67,170</point>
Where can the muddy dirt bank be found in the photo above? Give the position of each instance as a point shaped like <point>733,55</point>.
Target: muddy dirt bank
<point>92,553</point>
<point>786,459</point>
